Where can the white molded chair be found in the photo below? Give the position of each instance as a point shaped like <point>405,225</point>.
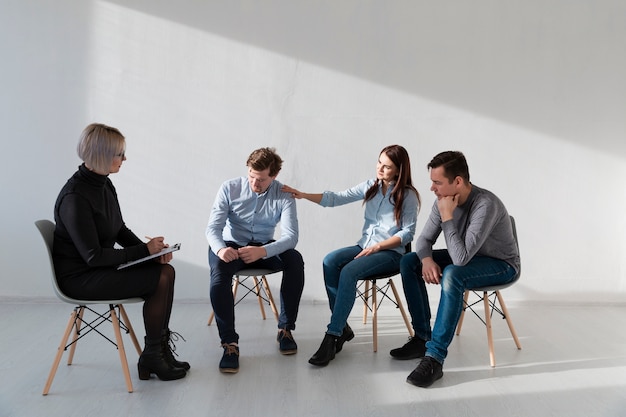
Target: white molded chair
<point>488,296</point>
<point>370,292</point>
<point>260,288</point>
<point>79,323</point>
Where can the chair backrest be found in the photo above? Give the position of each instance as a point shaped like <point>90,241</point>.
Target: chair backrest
<point>516,243</point>
<point>46,228</point>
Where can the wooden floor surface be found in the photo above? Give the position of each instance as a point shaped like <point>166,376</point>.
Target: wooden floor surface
<point>573,363</point>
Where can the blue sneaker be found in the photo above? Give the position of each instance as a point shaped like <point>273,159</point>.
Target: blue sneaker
<point>286,344</point>
<point>230,359</point>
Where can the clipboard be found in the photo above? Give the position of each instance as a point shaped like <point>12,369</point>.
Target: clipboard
<point>169,249</point>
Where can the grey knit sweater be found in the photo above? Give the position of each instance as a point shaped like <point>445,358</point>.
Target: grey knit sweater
<point>481,226</point>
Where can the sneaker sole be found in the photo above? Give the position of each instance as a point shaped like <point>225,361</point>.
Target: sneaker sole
<point>408,357</point>
<point>289,352</point>
<point>321,364</point>
<point>229,370</point>
<point>422,385</point>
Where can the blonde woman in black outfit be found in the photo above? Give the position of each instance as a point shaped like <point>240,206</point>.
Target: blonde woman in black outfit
<point>88,225</point>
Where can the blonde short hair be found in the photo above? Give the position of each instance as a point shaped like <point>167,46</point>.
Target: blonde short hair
<point>98,145</point>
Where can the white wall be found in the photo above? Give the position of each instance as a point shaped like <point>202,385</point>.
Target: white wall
<point>533,92</point>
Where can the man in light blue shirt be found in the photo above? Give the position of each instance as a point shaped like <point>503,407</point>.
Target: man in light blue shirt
<point>240,233</point>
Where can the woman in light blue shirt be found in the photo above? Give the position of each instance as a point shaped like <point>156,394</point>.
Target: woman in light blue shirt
<point>391,206</point>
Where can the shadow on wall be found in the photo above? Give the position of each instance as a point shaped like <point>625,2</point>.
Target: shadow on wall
<point>555,67</point>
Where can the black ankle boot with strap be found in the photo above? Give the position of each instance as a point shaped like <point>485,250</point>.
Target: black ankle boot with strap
<point>152,361</point>
<point>169,349</point>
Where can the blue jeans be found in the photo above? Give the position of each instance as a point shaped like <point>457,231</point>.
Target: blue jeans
<point>480,271</point>
<point>292,265</point>
<point>341,275</point>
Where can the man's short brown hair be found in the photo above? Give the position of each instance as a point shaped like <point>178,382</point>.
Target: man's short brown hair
<point>454,165</point>
<point>265,158</point>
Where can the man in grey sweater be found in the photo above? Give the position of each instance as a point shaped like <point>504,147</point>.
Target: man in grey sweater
<point>481,251</point>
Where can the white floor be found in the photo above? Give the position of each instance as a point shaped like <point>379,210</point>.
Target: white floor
<point>573,363</point>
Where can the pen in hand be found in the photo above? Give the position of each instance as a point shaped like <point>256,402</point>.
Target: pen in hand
<point>156,244</point>
<point>150,238</point>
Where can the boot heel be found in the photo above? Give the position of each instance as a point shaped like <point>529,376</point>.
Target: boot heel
<point>152,361</point>
<point>144,373</point>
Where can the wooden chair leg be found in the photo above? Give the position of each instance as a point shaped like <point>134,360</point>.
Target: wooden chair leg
<point>257,290</point>
<point>120,348</point>
<point>374,316</point>
<point>366,298</point>
<point>492,356</point>
<point>508,320</point>
<point>269,296</point>
<point>465,298</point>
<point>60,350</point>
<point>131,331</point>
<point>78,326</point>
<point>401,307</point>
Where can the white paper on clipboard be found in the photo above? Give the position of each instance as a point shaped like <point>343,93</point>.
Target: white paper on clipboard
<point>169,249</point>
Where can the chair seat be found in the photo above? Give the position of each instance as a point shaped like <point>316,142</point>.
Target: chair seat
<point>76,301</point>
<point>499,287</point>
<point>260,286</point>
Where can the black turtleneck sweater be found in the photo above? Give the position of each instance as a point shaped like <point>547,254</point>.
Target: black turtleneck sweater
<point>88,224</point>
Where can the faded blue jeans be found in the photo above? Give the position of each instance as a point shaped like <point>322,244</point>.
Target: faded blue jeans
<point>479,272</point>
<point>341,275</point>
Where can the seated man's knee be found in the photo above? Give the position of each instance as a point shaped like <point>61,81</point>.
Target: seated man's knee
<point>409,262</point>
<point>449,278</point>
<point>292,259</point>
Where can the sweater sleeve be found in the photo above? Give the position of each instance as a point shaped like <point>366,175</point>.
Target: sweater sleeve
<point>76,214</point>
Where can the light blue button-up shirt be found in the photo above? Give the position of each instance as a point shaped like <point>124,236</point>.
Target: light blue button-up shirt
<point>380,223</point>
<point>243,216</point>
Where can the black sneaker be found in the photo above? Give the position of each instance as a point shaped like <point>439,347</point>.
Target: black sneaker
<point>230,359</point>
<point>413,349</point>
<point>286,344</point>
<point>428,371</point>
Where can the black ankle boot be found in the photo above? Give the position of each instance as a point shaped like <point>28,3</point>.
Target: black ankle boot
<point>169,349</point>
<point>326,352</point>
<point>152,361</point>
<point>346,336</point>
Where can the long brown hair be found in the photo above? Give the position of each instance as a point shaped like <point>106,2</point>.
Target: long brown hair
<point>400,157</point>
